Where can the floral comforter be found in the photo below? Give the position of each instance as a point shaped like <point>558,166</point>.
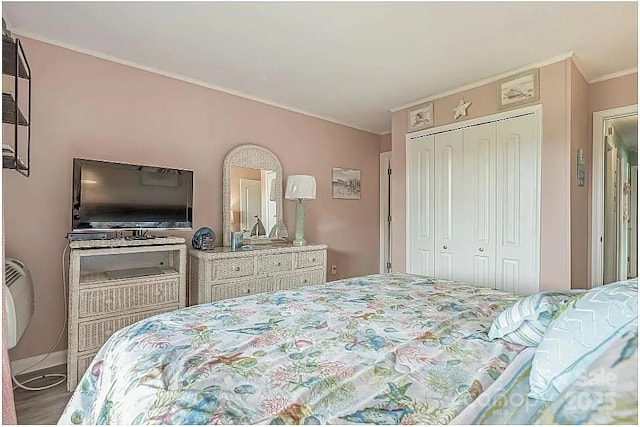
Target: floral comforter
<point>383,349</point>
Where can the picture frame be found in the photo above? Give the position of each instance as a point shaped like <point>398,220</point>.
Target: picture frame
<point>345,183</point>
<point>518,89</point>
<point>420,117</point>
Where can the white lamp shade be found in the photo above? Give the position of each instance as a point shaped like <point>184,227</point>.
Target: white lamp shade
<point>300,187</point>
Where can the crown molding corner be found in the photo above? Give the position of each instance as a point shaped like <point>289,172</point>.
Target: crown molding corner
<point>581,68</point>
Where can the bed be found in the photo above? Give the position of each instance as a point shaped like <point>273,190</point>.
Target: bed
<point>383,349</point>
<point>387,349</point>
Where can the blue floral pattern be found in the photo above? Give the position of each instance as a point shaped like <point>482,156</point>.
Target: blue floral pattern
<point>382,349</point>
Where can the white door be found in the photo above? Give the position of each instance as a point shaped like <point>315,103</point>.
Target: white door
<point>385,212</point>
<point>517,231</point>
<point>250,203</point>
<point>633,224</point>
<point>420,220</point>
<point>449,206</point>
<point>478,224</point>
<point>610,269</point>
<point>268,183</point>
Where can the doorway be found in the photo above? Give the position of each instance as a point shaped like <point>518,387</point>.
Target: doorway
<point>615,191</point>
<point>621,154</point>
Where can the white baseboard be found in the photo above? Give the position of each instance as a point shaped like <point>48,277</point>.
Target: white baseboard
<point>54,359</point>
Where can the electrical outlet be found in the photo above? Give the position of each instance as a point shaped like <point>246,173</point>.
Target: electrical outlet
<point>334,269</point>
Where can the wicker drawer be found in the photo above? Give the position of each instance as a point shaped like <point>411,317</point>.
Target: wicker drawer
<point>314,277</point>
<point>121,298</point>
<point>241,288</point>
<point>310,259</point>
<point>91,335</point>
<point>231,268</point>
<point>83,364</point>
<point>274,263</point>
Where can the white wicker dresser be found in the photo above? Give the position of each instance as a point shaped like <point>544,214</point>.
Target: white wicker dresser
<point>114,283</point>
<point>223,273</point>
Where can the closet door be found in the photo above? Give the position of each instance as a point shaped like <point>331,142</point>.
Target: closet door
<point>420,161</point>
<point>478,225</point>
<point>517,231</point>
<point>449,206</point>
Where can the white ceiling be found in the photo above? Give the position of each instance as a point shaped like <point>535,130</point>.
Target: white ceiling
<point>627,130</point>
<point>349,62</point>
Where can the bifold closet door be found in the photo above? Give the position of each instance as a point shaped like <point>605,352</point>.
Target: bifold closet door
<point>420,161</point>
<point>478,226</point>
<point>517,205</point>
<point>449,206</point>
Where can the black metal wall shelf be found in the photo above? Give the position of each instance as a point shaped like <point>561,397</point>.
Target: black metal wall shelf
<point>15,64</point>
<point>9,111</point>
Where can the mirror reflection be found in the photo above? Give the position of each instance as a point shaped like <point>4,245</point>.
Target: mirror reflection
<point>253,201</point>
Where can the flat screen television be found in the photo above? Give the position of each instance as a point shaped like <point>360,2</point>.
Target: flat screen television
<point>111,196</point>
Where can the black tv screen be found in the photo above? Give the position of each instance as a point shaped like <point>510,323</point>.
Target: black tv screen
<point>119,196</point>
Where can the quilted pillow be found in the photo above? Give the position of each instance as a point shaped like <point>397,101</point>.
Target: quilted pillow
<point>580,332</point>
<point>526,321</point>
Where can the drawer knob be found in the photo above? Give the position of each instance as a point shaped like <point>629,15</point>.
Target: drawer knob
<point>313,259</point>
<point>444,247</point>
<point>237,269</point>
<point>481,249</point>
<point>304,280</point>
<point>278,264</point>
<point>108,301</point>
<point>158,293</point>
<point>108,332</point>
<point>248,291</point>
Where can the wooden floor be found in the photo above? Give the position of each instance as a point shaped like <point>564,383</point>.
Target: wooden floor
<point>41,407</point>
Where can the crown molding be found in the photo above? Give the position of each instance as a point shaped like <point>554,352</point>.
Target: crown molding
<point>581,68</point>
<point>614,75</point>
<point>175,76</point>
<point>488,80</point>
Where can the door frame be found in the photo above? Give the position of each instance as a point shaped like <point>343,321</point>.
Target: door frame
<point>597,188</point>
<point>536,110</point>
<point>385,198</point>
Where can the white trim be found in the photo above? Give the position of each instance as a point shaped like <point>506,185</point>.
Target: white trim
<point>478,83</point>
<point>38,37</point>
<point>536,110</point>
<point>385,163</point>
<point>54,359</point>
<point>597,188</point>
<point>581,68</point>
<point>614,75</point>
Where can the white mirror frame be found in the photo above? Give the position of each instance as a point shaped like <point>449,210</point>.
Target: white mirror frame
<point>253,157</point>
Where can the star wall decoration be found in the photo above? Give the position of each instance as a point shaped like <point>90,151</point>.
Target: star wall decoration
<point>461,109</point>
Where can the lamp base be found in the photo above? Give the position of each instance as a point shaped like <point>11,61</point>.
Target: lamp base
<point>299,242</point>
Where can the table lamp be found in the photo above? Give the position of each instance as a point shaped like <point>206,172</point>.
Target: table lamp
<point>300,187</point>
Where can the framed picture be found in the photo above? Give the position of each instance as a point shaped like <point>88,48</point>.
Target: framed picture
<point>345,183</point>
<point>421,117</point>
<point>519,89</point>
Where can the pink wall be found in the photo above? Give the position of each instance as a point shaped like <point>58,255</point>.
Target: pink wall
<point>555,250</point>
<point>87,107</point>
<point>613,93</point>
<point>579,195</point>
<point>385,142</point>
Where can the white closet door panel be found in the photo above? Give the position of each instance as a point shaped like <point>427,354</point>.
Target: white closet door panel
<point>479,220</point>
<point>444,266</point>
<point>517,205</point>
<point>449,205</point>
<point>420,155</point>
